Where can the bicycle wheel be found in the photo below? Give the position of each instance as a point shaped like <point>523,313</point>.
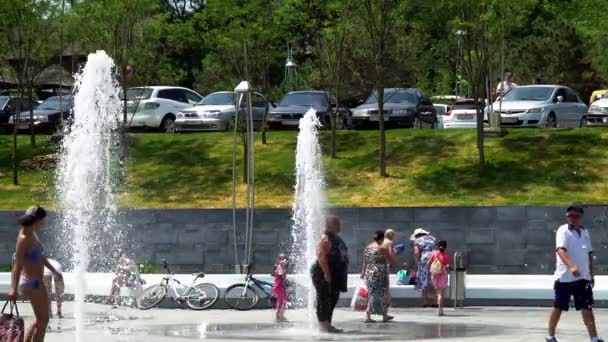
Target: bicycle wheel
<point>202,296</point>
<point>151,297</point>
<point>241,297</point>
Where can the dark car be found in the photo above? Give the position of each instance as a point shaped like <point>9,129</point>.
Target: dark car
<point>403,107</point>
<point>8,108</point>
<point>295,104</point>
<point>48,115</point>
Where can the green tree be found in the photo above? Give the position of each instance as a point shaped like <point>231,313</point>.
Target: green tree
<point>24,29</point>
<point>380,19</point>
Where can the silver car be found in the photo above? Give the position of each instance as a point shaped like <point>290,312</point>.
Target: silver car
<point>216,113</point>
<point>540,106</point>
<point>598,113</point>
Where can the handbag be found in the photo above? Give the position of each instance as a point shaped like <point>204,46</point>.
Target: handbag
<point>360,298</point>
<point>11,326</point>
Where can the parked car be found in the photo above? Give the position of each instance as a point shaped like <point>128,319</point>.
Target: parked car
<point>596,95</point>
<point>8,108</point>
<point>463,114</point>
<point>541,106</point>
<point>295,104</point>
<point>157,107</point>
<point>216,112</point>
<point>48,115</point>
<point>402,107</point>
<point>440,110</point>
<point>598,113</point>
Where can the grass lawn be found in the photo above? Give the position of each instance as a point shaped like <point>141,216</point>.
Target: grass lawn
<point>426,168</point>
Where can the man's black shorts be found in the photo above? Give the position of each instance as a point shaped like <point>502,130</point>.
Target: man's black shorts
<point>581,290</point>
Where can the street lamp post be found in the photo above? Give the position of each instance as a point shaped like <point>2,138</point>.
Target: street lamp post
<point>244,91</point>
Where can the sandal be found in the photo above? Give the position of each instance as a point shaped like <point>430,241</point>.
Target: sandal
<point>387,318</point>
<point>369,320</point>
<point>334,330</point>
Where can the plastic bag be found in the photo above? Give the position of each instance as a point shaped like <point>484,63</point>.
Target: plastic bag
<point>360,298</point>
<point>402,278</point>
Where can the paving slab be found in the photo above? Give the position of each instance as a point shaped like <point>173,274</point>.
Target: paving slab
<point>471,324</point>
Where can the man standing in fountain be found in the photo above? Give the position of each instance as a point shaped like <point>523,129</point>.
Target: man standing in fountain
<point>573,273</point>
<point>329,273</point>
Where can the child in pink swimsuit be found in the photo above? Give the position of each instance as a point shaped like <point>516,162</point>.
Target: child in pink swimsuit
<point>280,287</point>
<point>440,281</point>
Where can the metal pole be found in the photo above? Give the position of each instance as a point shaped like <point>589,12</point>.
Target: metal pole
<point>251,165</point>
<point>248,192</point>
<point>234,142</point>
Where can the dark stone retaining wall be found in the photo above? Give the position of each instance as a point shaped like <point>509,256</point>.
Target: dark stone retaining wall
<point>512,240</point>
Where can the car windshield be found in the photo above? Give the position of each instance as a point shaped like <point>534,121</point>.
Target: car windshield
<point>440,110</point>
<point>3,101</point>
<point>217,99</point>
<point>394,96</point>
<point>304,99</point>
<point>54,103</point>
<point>529,94</point>
<point>138,94</point>
<point>465,105</point>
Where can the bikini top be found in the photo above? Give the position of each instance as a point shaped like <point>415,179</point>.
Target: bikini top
<point>34,254</point>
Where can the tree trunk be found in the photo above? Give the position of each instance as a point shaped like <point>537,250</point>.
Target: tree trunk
<point>125,124</point>
<point>32,132</point>
<point>15,132</point>
<point>477,96</point>
<point>264,127</point>
<point>380,92</point>
<point>334,114</point>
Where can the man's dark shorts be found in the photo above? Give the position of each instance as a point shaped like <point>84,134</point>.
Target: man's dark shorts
<point>581,290</point>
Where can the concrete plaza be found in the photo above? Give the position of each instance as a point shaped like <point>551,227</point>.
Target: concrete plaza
<point>472,324</point>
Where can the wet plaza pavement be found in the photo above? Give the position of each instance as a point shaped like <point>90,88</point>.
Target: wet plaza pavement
<point>469,324</point>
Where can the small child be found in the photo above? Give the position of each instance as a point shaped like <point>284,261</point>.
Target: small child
<point>439,264</point>
<point>280,287</point>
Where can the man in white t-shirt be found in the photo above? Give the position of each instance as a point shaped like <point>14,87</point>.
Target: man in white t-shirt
<point>506,85</point>
<point>573,273</point>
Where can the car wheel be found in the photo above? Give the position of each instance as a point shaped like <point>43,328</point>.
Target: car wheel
<point>551,121</point>
<point>167,125</point>
<point>583,123</point>
<point>417,123</point>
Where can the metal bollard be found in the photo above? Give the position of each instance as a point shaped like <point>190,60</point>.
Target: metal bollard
<point>458,280</point>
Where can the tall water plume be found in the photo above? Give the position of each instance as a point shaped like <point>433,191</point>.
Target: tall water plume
<point>310,201</point>
<point>86,171</point>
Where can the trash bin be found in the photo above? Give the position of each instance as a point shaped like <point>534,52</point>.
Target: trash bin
<point>458,276</point>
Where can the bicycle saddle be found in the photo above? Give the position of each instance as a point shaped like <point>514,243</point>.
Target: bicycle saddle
<point>199,275</point>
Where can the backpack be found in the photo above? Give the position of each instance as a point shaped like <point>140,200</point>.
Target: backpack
<point>436,267</point>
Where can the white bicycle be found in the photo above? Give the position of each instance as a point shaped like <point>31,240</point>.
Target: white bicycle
<point>196,296</point>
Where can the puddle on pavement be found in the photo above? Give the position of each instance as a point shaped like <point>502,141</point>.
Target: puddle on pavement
<point>353,331</point>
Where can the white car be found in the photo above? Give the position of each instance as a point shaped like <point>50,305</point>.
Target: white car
<point>598,113</point>
<point>440,110</point>
<point>157,107</point>
<point>541,106</point>
<point>463,114</point>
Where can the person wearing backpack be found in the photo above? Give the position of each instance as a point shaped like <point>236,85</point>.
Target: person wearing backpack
<point>439,264</point>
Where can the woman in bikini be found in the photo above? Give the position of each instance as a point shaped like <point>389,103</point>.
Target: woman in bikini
<point>28,271</point>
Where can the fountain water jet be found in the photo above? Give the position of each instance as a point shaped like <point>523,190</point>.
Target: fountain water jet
<point>309,203</point>
<point>86,170</point>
